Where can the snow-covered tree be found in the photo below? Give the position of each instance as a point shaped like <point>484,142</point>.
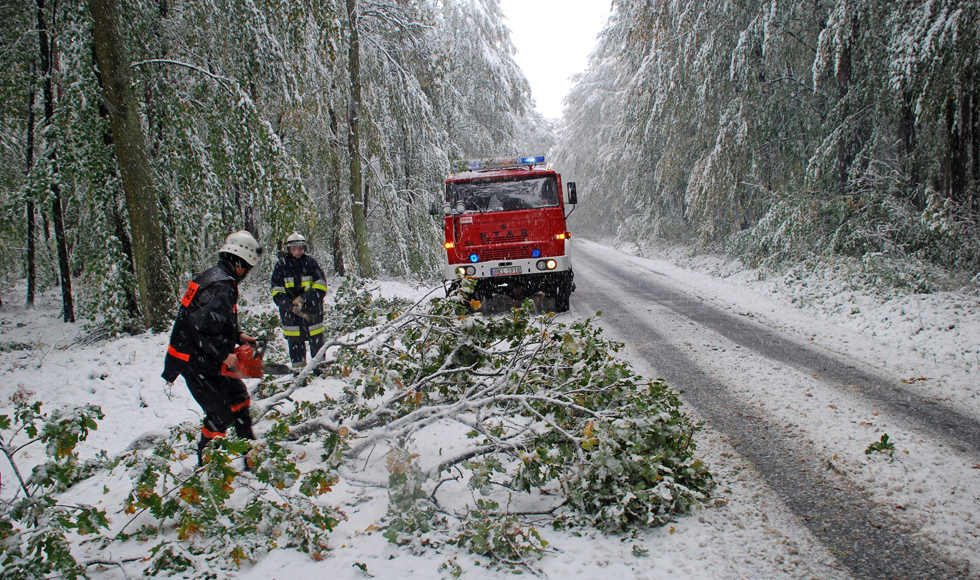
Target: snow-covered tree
<point>784,129</point>
<point>245,105</point>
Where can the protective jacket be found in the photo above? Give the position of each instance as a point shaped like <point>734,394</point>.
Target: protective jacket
<point>206,330</point>
<point>299,277</point>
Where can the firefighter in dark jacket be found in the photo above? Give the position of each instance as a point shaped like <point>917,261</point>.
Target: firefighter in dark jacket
<point>204,338</point>
<point>298,288</point>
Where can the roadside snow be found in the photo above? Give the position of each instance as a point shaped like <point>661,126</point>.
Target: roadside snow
<point>942,327</point>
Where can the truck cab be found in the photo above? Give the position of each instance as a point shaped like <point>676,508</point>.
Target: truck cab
<point>505,225</point>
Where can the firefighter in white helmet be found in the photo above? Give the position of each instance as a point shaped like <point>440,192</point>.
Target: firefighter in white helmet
<point>298,288</point>
<point>205,335</point>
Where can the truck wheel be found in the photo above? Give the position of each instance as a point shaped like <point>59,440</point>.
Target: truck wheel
<point>561,301</point>
<point>561,295</point>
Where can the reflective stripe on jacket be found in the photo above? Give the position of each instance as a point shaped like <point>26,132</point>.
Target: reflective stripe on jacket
<point>206,329</point>
<point>292,278</point>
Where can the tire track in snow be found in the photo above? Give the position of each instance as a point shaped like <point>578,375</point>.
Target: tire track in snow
<point>936,419</point>
<point>865,540</point>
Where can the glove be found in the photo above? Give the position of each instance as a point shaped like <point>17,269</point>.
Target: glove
<point>298,311</point>
<point>298,303</point>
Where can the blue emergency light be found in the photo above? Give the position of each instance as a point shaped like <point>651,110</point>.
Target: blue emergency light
<point>535,253</point>
<point>532,160</point>
<point>474,258</point>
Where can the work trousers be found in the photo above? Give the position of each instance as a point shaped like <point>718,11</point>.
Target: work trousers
<point>297,349</point>
<point>225,402</point>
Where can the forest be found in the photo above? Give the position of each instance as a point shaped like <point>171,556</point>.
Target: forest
<point>137,133</point>
<point>787,133</point>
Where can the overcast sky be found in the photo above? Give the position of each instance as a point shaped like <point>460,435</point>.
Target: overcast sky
<point>553,39</point>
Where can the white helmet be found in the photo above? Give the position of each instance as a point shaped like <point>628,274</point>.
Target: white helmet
<point>243,245</point>
<point>296,240</point>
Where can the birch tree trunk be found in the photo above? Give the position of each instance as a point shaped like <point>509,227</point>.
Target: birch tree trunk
<point>354,145</point>
<point>152,269</point>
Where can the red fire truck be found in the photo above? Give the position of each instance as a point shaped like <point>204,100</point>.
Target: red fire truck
<point>505,226</point>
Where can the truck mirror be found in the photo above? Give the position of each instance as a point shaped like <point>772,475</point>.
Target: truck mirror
<point>434,208</point>
<point>572,195</point>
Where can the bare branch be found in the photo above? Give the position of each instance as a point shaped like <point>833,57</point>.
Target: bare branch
<point>223,81</point>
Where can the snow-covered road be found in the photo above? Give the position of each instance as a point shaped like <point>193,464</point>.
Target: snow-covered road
<point>803,411</point>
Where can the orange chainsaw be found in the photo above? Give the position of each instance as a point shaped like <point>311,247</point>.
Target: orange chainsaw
<point>250,365</point>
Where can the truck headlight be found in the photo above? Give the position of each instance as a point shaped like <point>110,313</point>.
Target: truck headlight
<point>551,264</point>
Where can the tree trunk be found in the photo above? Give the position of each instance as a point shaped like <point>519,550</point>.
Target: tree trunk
<point>954,165</point>
<point>243,199</point>
<point>152,269</point>
<point>964,178</point>
<point>367,195</point>
<point>67,302</point>
<point>844,154</point>
<point>132,304</point>
<point>908,142</point>
<point>974,202</point>
<point>336,247</point>
<point>354,145</point>
<point>31,222</point>
<point>153,123</point>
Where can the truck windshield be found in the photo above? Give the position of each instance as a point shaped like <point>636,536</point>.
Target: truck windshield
<point>504,195</point>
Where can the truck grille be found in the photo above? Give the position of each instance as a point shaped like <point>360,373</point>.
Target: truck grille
<point>517,237</point>
<point>497,253</point>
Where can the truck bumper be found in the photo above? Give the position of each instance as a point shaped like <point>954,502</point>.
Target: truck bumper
<point>507,268</point>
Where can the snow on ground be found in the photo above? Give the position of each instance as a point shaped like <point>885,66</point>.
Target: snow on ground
<point>942,327</point>
<point>931,342</point>
<point>743,533</point>
<point>928,342</point>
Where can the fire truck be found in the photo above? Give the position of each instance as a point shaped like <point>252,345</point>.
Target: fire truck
<point>505,226</point>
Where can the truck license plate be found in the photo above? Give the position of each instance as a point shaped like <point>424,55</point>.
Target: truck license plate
<point>505,271</point>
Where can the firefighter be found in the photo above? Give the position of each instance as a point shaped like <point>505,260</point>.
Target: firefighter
<point>204,338</point>
<point>298,288</point>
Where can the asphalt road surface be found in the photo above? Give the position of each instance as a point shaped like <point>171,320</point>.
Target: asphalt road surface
<point>862,535</point>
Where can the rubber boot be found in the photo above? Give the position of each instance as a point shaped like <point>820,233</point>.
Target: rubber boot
<point>200,449</point>
<point>243,428</point>
<point>243,424</point>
